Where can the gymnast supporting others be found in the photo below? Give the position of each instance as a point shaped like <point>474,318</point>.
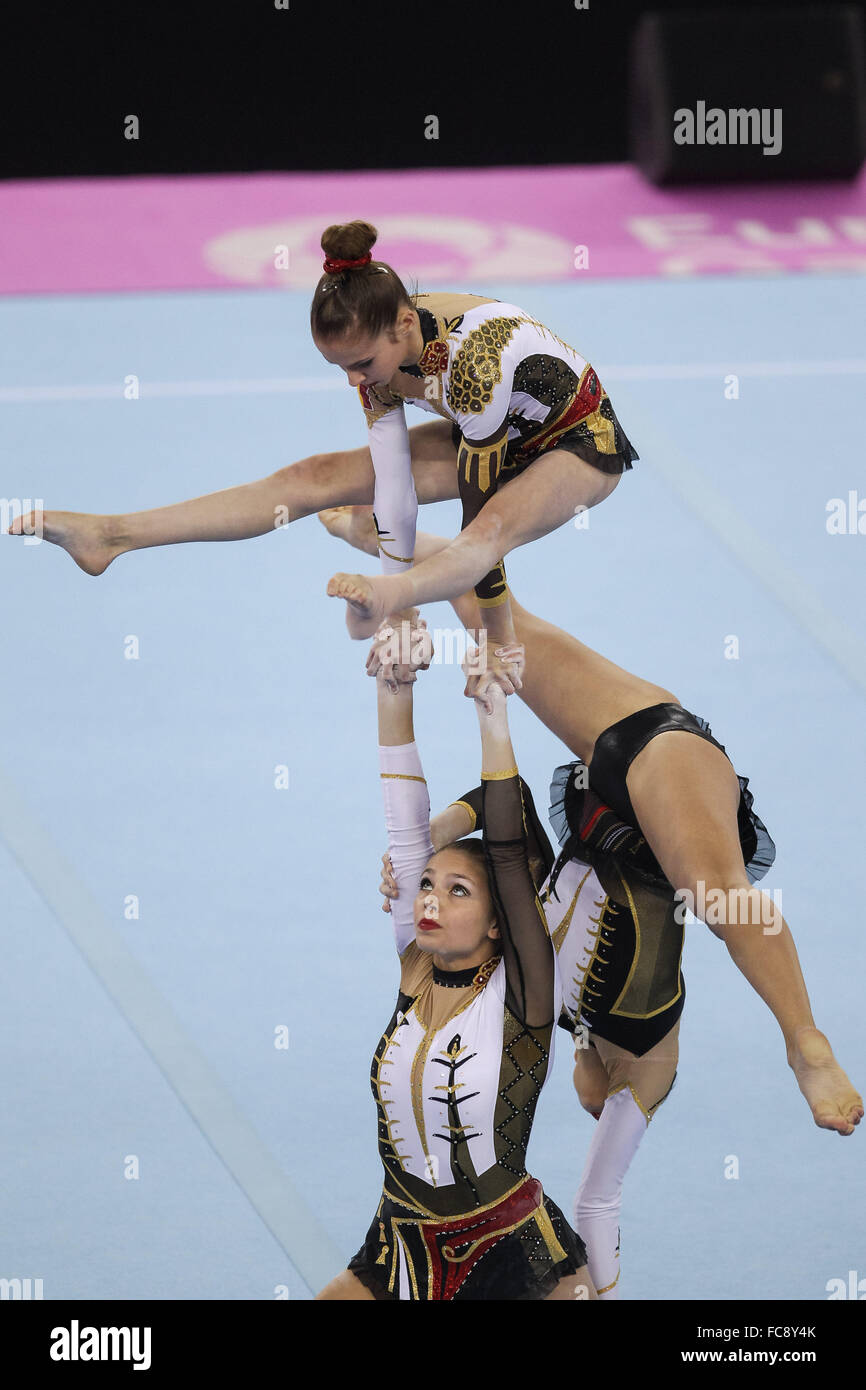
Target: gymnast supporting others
<point>683,795</point>
<point>459,1068</point>
<point>524,434</point>
<point>615,929</point>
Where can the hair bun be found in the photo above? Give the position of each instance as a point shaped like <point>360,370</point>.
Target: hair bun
<point>348,241</point>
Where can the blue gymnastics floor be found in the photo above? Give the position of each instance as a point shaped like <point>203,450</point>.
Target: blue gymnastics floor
<point>157,1144</point>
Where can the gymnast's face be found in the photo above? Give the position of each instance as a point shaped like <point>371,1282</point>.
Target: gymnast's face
<point>454,915</point>
<point>373,361</point>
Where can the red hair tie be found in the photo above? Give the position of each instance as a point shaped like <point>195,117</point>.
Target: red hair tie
<point>334,267</point>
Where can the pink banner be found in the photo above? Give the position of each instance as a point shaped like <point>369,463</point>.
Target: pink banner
<point>470,227</point>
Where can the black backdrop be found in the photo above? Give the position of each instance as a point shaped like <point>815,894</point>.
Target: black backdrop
<point>323,84</point>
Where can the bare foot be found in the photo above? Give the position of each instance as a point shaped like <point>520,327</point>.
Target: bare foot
<point>354,525</point>
<point>86,538</point>
<point>365,609</point>
<point>832,1099</point>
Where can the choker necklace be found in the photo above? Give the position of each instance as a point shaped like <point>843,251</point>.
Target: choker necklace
<point>476,975</point>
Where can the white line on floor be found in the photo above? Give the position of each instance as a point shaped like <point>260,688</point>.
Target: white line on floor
<point>275,386</point>
<point>751,547</point>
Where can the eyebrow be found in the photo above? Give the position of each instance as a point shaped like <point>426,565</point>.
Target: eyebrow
<point>426,874</point>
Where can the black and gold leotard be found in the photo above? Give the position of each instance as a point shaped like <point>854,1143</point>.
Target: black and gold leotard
<point>457,1075</point>
<point>512,390</point>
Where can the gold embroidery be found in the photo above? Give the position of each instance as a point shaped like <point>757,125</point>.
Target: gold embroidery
<point>486,459</point>
<point>477,365</point>
<point>375,406</point>
<point>416,1082</point>
<point>607,1287</point>
<point>419,1061</point>
<point>499,776</point>
<point>482,975</point>
<point>583,986</point>
<point>559,932</point>
<point>545,1226</point>
<point>403,776</point>
<point>383,1253</point>
<point>393,1139</point>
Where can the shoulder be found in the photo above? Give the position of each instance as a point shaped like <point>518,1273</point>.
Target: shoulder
<point>416,966</point>
<point>485,356</point>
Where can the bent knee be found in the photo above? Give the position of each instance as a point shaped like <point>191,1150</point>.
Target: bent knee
<point>591,1091</point>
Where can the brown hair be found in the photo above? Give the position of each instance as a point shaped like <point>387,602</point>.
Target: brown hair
<point>367,299</point>
<point>475,846</point>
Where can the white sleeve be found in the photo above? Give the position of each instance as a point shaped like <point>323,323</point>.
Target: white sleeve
<point>395,503</point>
<point>407,819</point>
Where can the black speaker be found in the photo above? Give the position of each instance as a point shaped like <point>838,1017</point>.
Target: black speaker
<point>722,95</point>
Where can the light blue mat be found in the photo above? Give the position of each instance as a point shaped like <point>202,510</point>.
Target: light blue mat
<point>154,1038</point>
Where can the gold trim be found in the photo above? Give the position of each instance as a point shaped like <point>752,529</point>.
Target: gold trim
<point>560,931</point>
<point>583,986</point>
<point>419,1061</point>
<point>608,1287</point>
<point>416,1084</point>
<point>499,776</point>
<point>408,1261</point>
<point>494,602</point>
<point>501,1231</point>
<point>404,559</point>
<point>545,1226</point>
<point>456,1216</point>
<point>393,1139</point>
<point>623,1013</point>
<point>468,808</point>
<point>403,776</point>
<point>635,1097</point>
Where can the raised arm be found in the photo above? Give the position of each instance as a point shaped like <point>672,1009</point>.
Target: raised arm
<point>526,946</point>
<point>395,502</point>
<point>407,803</point>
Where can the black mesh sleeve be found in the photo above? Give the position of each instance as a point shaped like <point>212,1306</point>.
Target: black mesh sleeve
<point>526,946</point>
<point>539,844</point>
<point>473,801</point>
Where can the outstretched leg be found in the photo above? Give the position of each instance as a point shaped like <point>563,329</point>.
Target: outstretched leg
<point>542,498</point>
<point>685,795</point>
<point>253,509</point>
<point>556,662</point>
